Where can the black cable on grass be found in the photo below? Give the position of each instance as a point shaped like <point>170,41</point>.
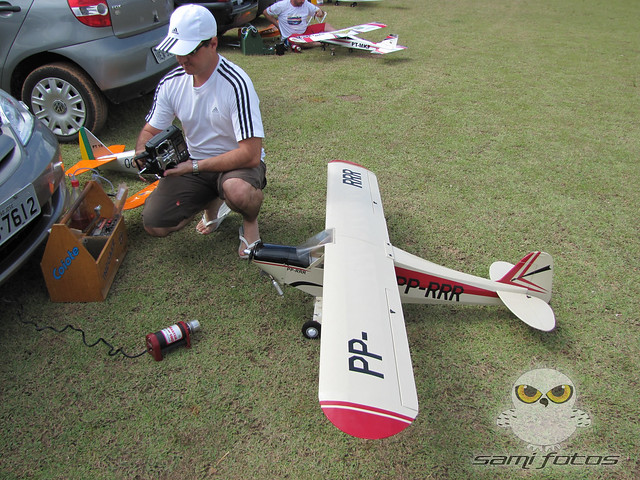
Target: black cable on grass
<point>112,350</point>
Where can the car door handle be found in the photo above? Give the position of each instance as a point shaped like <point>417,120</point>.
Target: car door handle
<point>9,8</point>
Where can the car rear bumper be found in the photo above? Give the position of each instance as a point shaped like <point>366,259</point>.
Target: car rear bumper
<point>244,16</point>
<point>124,68</point>
<point>138,89</point>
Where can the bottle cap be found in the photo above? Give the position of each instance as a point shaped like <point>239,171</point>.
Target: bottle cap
<point>194,325</point>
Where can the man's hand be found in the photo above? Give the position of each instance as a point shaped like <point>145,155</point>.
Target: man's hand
<point>180,169</point>
<point>141,159</point>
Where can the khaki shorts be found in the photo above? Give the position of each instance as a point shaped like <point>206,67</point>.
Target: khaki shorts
<point>178,198</point>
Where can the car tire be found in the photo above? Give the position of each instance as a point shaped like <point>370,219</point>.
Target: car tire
<point>65,98</point>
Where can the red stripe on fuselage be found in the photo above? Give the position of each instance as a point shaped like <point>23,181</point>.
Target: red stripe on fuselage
<point>436,287</point>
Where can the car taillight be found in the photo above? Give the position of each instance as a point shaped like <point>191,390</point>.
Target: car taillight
<point>94,13</point>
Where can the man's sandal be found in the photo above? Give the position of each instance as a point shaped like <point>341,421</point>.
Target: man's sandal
<point>223,211</point>
<point>247,246</point>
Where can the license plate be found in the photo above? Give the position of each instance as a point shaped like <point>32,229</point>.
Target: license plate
<point>161,56</point>
<point>17,211</point>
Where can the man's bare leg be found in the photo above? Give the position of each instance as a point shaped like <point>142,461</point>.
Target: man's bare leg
<point>211,212</point>
<point>245,199</point>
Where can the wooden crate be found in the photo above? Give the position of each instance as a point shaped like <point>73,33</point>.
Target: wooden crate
<point>78,266</point>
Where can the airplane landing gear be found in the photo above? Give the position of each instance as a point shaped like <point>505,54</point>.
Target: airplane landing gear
<point>311,330</point>
<point>332,50</point>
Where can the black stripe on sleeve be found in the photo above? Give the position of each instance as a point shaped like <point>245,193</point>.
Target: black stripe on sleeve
<point>241,89</point>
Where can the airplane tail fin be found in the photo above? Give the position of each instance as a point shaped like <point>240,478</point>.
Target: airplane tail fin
<point>94,154</point>
<point>90,147</point>
<point>388,45</point>
<point>390,41</point>
<point>535,273</point>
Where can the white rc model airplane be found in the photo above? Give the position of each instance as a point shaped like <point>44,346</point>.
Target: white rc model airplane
<point>95,154</point>
<point>348,37</point>
<point>366,384</point>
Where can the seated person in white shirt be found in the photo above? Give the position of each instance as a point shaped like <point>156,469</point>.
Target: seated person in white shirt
<point>290,16</point>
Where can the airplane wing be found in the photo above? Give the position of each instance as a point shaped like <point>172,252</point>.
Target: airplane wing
<point>343,33</point>
<point>366,385</point>
<point>138,199</point>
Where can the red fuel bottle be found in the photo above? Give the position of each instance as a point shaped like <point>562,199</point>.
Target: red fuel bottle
<point>80,218</point>
<point>167,339</point>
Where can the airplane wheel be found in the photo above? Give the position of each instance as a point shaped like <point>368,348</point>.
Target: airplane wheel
<point>311,330</point>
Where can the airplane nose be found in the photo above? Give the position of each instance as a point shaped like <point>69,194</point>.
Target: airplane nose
<point>544,401</point>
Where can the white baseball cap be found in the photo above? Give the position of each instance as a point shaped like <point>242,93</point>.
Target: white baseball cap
<point>189,25</point>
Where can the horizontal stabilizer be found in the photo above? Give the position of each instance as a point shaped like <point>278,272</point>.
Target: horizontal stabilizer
<point>533,311</point>
<point>116,148</point>
<point>86,165</point>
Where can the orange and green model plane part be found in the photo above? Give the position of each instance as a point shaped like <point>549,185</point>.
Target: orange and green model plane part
<point>137,199</point>
<point>95,154</point>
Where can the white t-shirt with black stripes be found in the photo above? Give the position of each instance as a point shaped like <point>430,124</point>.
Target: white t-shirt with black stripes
<point>292,20</point>
<point>214,116</point>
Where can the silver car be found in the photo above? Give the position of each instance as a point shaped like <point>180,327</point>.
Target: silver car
<point>66,59</point>
<point>32,188</point>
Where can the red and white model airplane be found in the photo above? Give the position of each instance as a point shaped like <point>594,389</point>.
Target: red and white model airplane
<point>348,37</point>
<point>95,154</point>
<point>366,385</point>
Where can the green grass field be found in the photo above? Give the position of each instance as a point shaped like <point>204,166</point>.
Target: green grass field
<point>506,127</point>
